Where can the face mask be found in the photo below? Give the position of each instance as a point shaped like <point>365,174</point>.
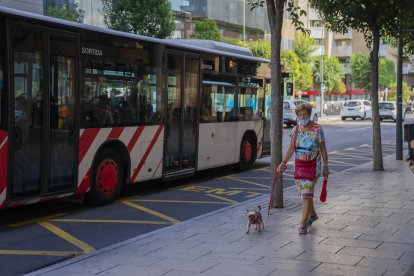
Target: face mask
<point>304,122</point>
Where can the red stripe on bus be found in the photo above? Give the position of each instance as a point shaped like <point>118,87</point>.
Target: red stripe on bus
<point>84,185</point>
<point>147,152</point>
<point>3,164</point>
<point>86,140</point>
<point>115,133</point>
<point>134,138</point>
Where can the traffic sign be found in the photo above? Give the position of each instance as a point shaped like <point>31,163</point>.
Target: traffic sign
<point>322,87</point>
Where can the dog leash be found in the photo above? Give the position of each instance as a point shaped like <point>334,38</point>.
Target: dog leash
<point>271,194</point>
<point>322,197</point>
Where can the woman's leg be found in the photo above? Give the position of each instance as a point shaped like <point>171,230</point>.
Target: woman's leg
<point>312,211</point>
<point>306,210</point>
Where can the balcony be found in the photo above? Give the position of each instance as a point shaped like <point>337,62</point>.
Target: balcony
<point>313,15</point>
<point>319,50</point>
<point>343,51</point>
<point>347,35</point>
<point>317,32</point>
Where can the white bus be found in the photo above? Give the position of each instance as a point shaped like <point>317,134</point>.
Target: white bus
<point>89,110</point>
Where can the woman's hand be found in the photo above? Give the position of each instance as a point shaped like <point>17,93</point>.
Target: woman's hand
<point>282,166</point>
<point>325,171</point>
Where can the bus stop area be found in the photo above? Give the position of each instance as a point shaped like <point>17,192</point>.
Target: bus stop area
<point>366,227</point>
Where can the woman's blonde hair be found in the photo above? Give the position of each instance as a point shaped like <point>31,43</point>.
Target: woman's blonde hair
<point>304,106</point>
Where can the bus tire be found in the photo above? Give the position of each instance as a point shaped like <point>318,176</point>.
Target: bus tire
<point>107,178</point>
<point>247,152</point>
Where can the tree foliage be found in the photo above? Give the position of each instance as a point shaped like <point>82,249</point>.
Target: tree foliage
<point>374,19</point>
<point>406,92</point>
<point>150,18</point>
<point>301,72</point>
<point>206,29</point>
<point>339,86</point>
<point>304,47</point>
<point>361,71</point>
<point>65,13</point>
<point>332,69</point>
<point>260,48</point>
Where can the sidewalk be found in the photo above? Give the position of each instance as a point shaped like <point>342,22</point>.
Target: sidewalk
<point>366,227</point>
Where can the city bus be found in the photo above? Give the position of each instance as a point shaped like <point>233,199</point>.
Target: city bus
<point>88,110</point>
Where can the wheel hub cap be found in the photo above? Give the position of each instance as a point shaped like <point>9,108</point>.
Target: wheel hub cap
<point>247,152</point>
<point>107,176</point>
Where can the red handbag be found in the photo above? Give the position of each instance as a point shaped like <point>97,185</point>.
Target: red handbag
<point>304,169</point>
<point>324,191</point>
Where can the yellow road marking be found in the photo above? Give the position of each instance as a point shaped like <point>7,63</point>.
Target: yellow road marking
<point>343,155</point>
<point>179,201</point>
<point>152,212</point>
<point>253,177</point>
<point>66,236</point>
<point>226,176</point>
<point>40,253</point>
<point>249,182</point>
<point>266,169</point>
<point>250,188</point>
<point>222,198</point>
<point>253,194</point>
<point>339,162</point>
<point>36,220</point>
<point>113,221</point>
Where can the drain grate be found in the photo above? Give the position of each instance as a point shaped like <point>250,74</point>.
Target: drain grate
<point>52,263</point>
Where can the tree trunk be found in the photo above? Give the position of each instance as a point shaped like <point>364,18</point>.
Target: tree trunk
<point>275,15</point>
<point>376,126</point>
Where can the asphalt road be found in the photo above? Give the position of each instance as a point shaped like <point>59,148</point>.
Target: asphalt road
<point>38,235</point>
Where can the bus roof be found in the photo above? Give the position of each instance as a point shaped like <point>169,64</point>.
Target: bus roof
<point>206,46</point>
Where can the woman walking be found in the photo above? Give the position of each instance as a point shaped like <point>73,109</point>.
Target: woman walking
<point>307,142</point>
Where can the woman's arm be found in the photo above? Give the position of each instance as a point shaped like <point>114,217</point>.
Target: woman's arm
<point>289,152</point>
<point>324,155</point>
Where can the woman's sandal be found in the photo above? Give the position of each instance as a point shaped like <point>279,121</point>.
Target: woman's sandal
<point>303,229</point>
<point>311,219</point>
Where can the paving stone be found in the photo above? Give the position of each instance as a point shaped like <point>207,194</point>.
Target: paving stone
<point>318,247</point>
<point>378,253</point>
<point>134,270</point>
<point>193,266</point>
<point>380,263</point>
<point>248,270</point>
<point>347,270</point>
<point>396,246</point>
<point>329,258</point>
<point>351,242</point>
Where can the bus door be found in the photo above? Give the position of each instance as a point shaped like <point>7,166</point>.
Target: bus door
<point>181,125</point>
<point>266,119</point>
<point>43,87</point>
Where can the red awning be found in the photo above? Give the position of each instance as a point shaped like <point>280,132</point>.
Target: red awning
<point>310,92</point>
<point>347,92</point>
<point>355,92</point>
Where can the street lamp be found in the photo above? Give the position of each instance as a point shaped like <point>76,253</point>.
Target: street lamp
<point>244,21</point>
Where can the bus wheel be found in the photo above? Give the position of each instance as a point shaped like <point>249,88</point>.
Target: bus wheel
<point>247,153</point>
<point>107,178</point>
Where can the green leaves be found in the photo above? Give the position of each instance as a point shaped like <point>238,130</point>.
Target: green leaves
<point>301,71</point>
<point>75,14</point>
<point>206,29</point>
<point>150,18</point>
<point>361,72</point>
<point>332,71</point>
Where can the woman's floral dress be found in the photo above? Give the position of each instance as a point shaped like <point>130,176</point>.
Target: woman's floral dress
<point>307,148</point>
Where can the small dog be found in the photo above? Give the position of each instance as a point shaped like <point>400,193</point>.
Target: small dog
<point>255,217</point>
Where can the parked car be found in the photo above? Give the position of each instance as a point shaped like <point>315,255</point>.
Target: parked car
<point>289,115</point>
<point>388,110</point>
<point>356,109</point>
